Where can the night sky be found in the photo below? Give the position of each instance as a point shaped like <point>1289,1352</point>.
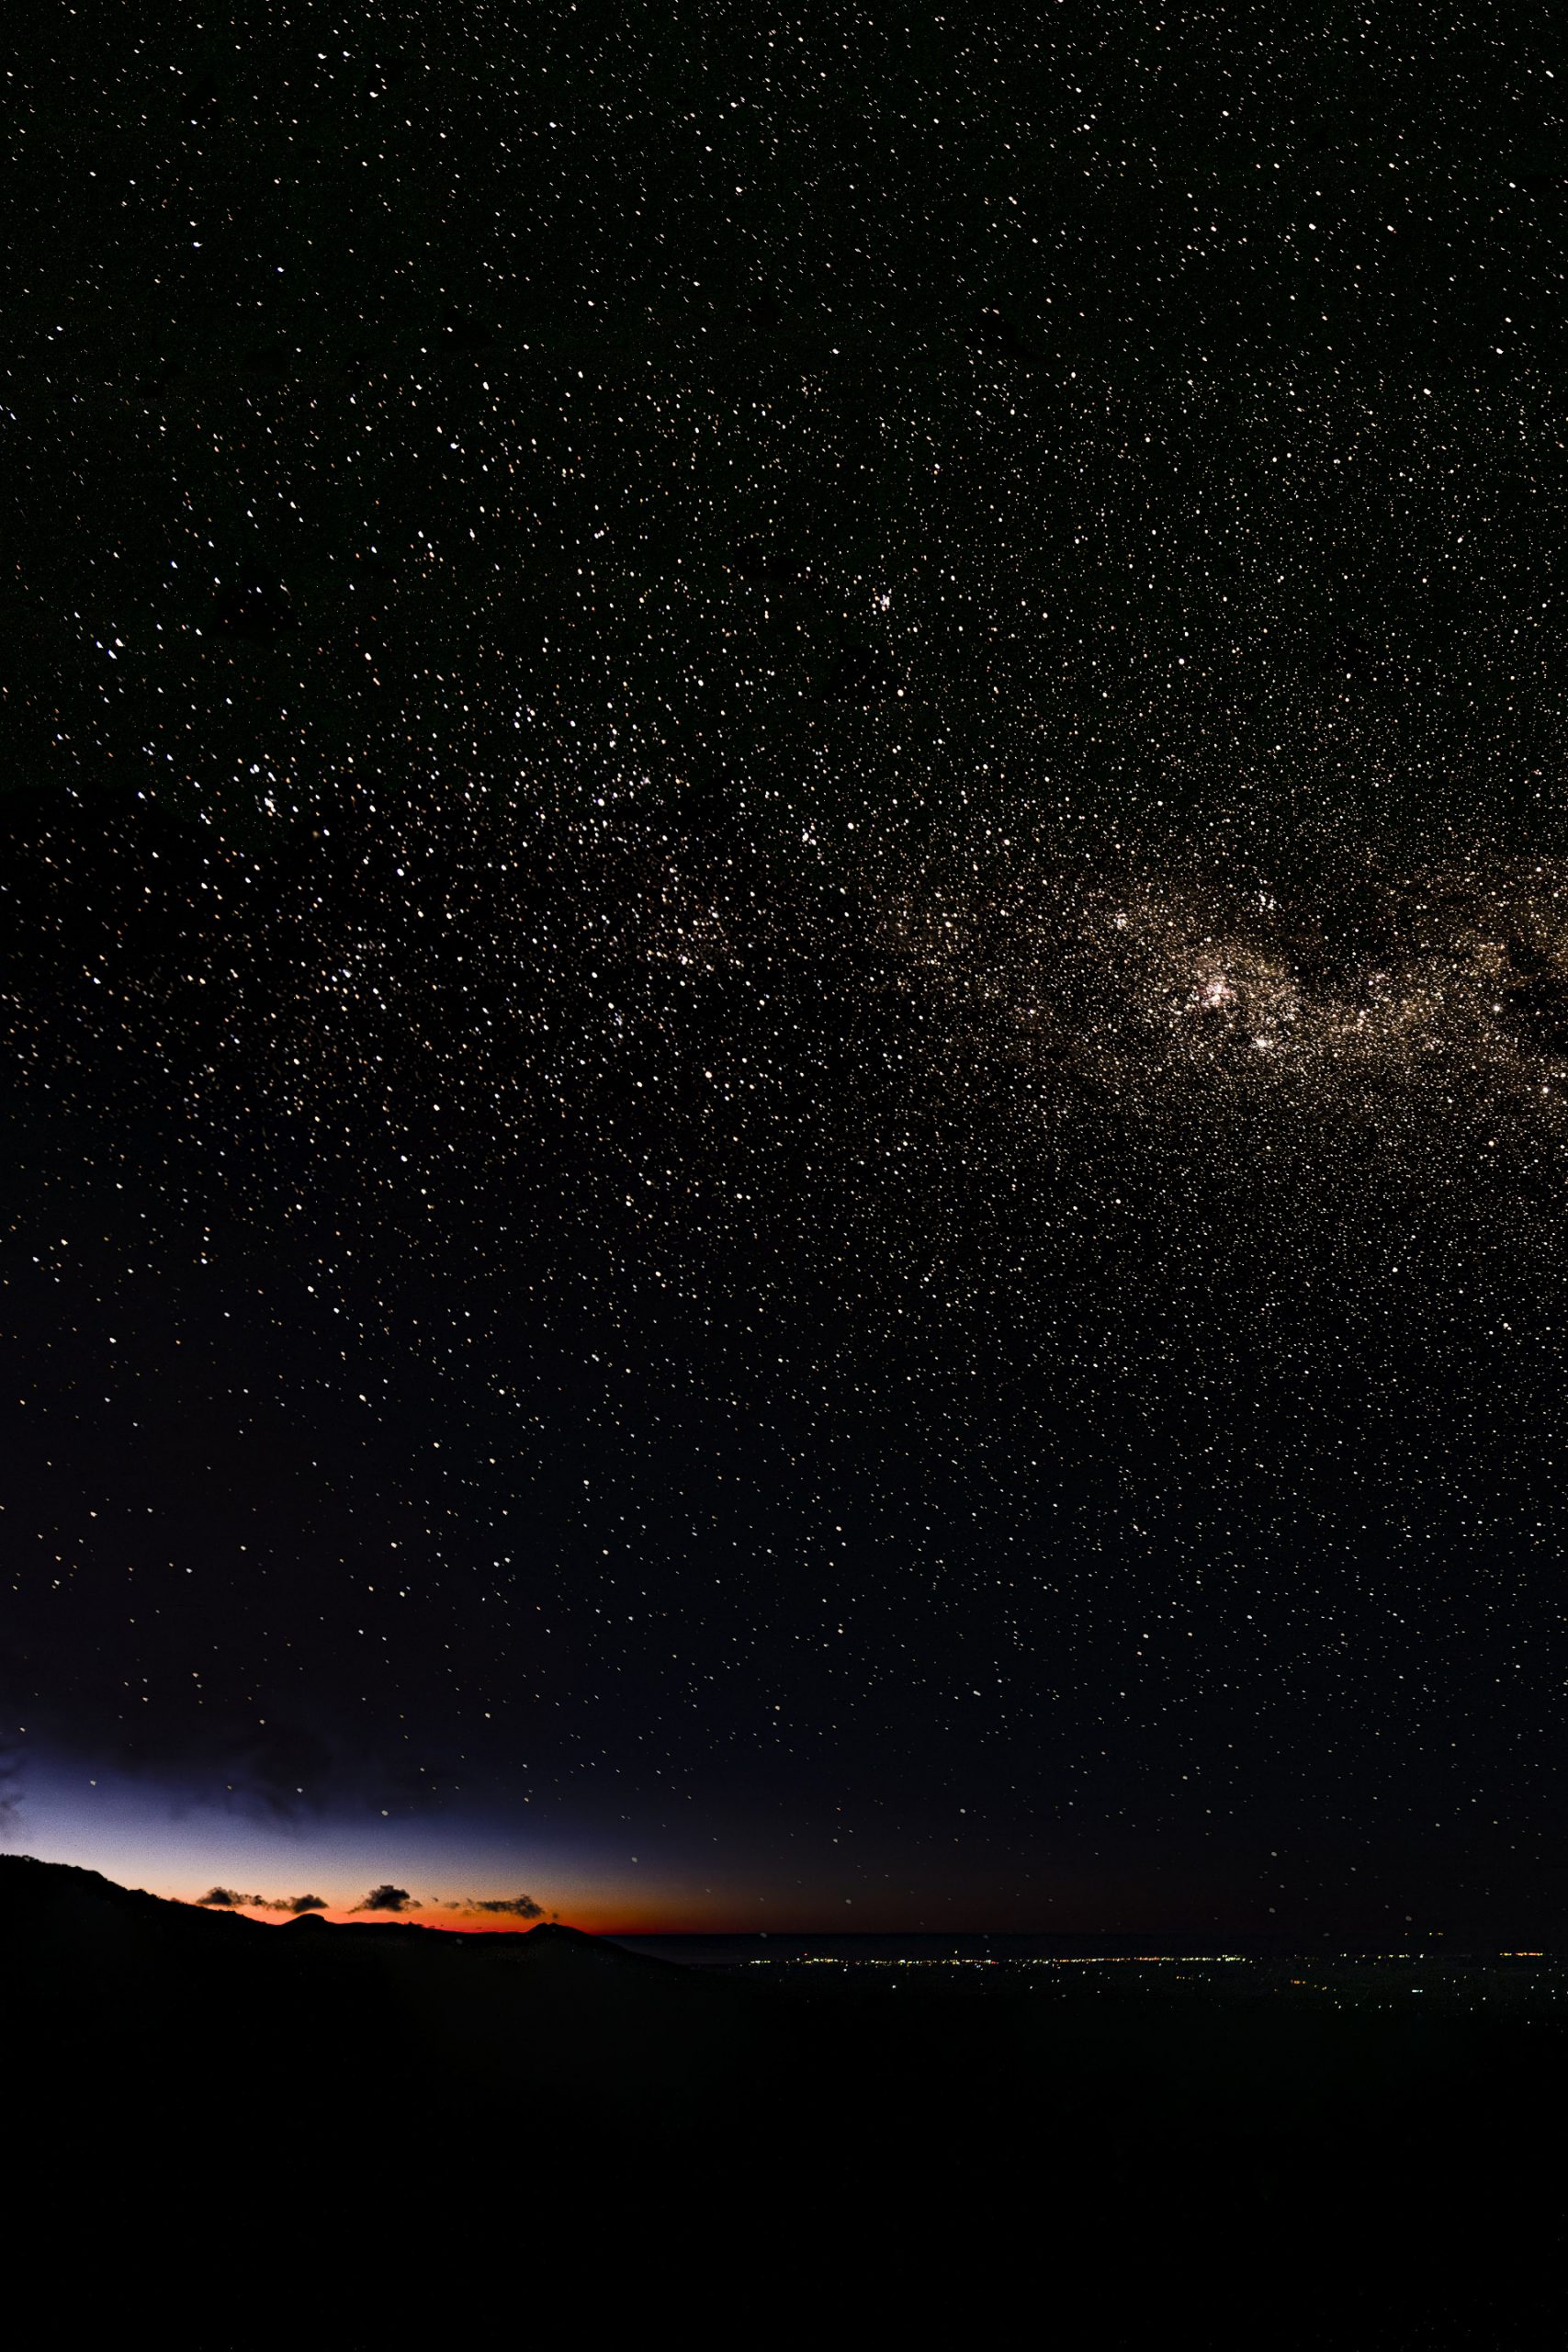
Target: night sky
<point>785,966</point>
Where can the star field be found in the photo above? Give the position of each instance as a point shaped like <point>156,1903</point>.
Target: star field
<point>787,957</point>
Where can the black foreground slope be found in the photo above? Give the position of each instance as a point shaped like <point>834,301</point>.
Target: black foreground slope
<point>165,2001</point>
<point>1232,2166</point>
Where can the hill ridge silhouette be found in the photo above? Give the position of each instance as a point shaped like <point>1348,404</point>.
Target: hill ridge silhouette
<point>44,1899</point>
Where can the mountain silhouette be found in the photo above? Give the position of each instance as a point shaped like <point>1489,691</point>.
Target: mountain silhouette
<point>49,1900</point>
<point>362,2103</point>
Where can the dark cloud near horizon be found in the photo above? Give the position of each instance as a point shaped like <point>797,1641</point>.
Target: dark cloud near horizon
<point>289,1771</point>
<point>390,1899</point>
<point>226,1898</point>
<point>521,1906</point>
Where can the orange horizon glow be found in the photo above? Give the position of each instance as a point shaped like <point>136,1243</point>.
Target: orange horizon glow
<point>597,1917</point>
<point>676,1910</point>
<point>466,1921</point>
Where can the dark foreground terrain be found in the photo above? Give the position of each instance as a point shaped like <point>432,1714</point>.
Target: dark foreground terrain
<point>385,2129</point>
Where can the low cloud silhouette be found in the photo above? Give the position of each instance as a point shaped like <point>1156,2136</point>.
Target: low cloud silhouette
<point>228,1898</point>
<point>521,1906</point>
<point>389,1898</point>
